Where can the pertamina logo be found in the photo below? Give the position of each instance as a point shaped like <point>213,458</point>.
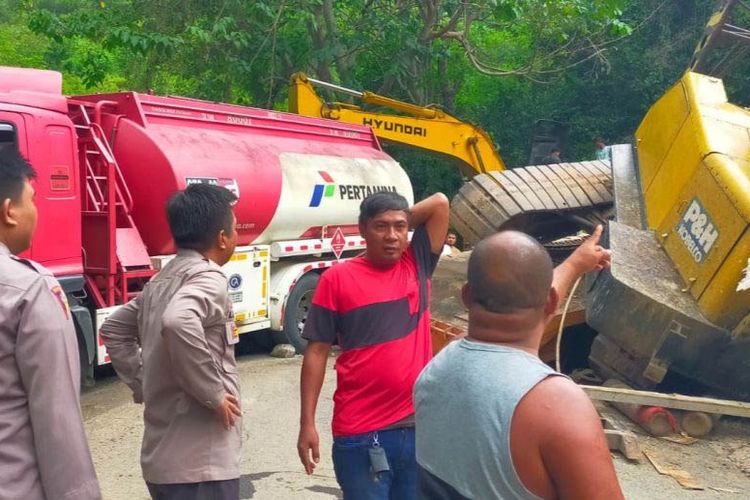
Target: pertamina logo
<point>330,189</point>
<point>697,231</point>
<point>320,191</point>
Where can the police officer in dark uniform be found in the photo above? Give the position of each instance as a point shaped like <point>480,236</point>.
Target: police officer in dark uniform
<point>43,446</point>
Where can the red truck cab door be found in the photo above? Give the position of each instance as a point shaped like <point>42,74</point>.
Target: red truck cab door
<point>48,141</point>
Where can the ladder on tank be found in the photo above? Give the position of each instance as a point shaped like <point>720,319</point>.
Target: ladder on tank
<point>116,262</point>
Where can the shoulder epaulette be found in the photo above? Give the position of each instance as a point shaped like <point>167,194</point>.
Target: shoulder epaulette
<point>25,263</point>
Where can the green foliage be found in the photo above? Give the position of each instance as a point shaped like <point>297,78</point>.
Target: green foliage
<point>19,46</point>
<point>595,64</point>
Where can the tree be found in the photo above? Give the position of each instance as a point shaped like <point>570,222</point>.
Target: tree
<point>595,64</point>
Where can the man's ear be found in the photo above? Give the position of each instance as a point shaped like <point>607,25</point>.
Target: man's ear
<point>7,216</point>
<point>466,295</point>
<point>362,227</point>
<point>221,240</point>
<point>553,299</point>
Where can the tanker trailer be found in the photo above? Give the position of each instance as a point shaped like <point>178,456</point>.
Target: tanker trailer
<point>299,182</point>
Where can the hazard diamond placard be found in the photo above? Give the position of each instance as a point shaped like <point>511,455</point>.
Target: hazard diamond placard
<point>338,242</point>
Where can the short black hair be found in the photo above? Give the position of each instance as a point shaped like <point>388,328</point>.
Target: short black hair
<point>380,202</point>
<point>14,172</point>
<point>197,215</point>
<point>509,271</point>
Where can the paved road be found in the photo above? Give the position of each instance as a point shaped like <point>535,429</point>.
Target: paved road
<point>272,470</point>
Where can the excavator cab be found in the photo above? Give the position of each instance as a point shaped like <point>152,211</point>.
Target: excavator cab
<point>548,135</point>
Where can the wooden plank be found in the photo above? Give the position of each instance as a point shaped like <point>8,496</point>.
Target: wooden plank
<point>625,442</point>
<point>677,401</point>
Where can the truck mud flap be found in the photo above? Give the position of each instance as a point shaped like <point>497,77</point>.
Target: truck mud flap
<point>546,201</point>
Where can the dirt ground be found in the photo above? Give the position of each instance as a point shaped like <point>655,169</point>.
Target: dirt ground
<point>271,469</point>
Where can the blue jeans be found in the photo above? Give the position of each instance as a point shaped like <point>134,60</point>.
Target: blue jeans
<point>351,461</point>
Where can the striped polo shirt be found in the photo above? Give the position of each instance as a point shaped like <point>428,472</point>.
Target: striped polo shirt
<point>381,320</point>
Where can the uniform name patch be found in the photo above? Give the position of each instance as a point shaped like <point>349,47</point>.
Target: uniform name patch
<point>697,231</point>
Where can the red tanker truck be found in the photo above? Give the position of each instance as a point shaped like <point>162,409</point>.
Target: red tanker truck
<point>107,163</point>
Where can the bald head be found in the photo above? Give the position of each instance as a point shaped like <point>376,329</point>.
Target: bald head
<point>509,272</point>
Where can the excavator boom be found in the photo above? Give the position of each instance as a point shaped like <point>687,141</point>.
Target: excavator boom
<point>424,127</point>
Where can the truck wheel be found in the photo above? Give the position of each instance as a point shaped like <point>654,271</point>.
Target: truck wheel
<point>295,315</point>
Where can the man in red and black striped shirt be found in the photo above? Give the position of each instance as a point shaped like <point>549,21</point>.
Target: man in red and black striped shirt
<point>377,308</point>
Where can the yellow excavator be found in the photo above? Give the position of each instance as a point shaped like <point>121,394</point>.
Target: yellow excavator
<point>551,202</point>
<point>547,201</point>
<point>675,306</point>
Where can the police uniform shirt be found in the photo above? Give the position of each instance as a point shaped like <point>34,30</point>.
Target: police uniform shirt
<point>183,325</point>
<point>43,449</point>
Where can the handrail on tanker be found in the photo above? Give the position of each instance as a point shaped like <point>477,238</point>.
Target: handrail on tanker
<point>98,138</point>
<point>120,184</point>
<point>98,110</point>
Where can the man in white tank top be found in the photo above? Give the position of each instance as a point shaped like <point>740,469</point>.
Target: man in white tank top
<point>492,420</point>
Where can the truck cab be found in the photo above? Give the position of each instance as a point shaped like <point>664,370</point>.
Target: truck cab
<point>35,123</point>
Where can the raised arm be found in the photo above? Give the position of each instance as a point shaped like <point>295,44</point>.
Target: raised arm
<point>432,212</point>
<point>590,256</point>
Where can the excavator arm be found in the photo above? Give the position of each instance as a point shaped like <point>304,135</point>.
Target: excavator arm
<point>424,127</point>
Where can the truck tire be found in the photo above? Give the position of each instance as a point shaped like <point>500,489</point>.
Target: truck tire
<point>295,315</point>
